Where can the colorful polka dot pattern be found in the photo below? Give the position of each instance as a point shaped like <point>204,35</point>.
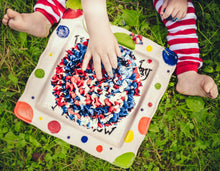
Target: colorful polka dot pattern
<point>92,103</point>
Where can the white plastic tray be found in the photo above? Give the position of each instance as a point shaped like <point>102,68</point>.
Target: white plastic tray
<point>116,144</point>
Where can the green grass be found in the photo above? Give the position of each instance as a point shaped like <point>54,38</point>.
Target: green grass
<point>184,133</point>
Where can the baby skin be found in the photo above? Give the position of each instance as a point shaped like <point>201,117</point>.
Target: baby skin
<point>36,24</point>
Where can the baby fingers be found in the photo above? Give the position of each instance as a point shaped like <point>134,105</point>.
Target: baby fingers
<point>86,60</point>
<point>109,62</point>
<point>97,66</point>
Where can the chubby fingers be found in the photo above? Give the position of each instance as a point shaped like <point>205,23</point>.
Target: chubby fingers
<point>108,62</point>
<point>96,63</point>
<point>167,13</point>
<point>163,8</point>
<point>97,66</point>
<point>113,57</point>
<point>86,60</point>
<point>181,15</point>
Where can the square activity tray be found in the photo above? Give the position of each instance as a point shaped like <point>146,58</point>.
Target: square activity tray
<point>117,144</point>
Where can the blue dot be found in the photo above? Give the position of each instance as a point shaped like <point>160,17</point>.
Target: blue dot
<point>84,139</point>
<point>68,137</point>
<point>32,97</point>
<point>169,57</point>
<point>110,148</point>
<point>142,109</point>
<point>62,31</point>
<point>168,71</point>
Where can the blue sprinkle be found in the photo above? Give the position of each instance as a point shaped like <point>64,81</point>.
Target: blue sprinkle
<point>71,116</point>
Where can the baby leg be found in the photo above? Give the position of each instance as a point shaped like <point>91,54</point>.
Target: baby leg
<point>37,23</point>
<point>183,40</point>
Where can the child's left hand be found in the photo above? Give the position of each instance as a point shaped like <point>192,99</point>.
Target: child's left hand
<point>177,9</point>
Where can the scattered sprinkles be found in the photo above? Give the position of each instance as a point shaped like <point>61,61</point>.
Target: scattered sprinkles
<point>137,38</point>
<point>92,103</point>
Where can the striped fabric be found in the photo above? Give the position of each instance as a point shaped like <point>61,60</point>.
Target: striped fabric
<point>52,9</point>
<point>183,40</point>
<point>182,37</point>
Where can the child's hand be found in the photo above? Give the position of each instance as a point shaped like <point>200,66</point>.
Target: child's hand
<point>103,48</point>
<point>177,9</point>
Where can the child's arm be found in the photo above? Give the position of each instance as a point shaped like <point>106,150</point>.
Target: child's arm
<point>176,8</point>
<point>103,46</point>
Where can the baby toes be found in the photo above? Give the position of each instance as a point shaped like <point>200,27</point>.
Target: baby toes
<point>214,92</point>
<point>210,87</point>
<point>5,19</point>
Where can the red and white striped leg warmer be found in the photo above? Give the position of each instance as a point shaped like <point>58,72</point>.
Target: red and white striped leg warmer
<point>183,40</point>
<point>52,9</point>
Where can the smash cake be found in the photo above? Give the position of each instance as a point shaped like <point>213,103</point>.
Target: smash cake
<point>92,103</point>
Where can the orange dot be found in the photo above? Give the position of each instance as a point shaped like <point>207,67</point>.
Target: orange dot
<point>99,148</point>
<point>143,125</point>
<point>24,111</point>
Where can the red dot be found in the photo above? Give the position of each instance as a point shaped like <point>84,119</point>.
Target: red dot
<point>149,61</point>
<point>72,13</point>
<point>99,148</point>
<point>150,104</point>
<point>54,127</point>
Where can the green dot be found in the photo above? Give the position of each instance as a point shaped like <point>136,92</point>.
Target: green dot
<point>125,160</point>
<point>157,86</point>
<point>39,73</point>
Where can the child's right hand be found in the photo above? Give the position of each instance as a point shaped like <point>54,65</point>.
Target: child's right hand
<point>175,8</point>
<point>103,46</point>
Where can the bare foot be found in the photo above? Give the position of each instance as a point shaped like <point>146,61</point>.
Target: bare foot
<point>35,23</point>
<point>194,84</point>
